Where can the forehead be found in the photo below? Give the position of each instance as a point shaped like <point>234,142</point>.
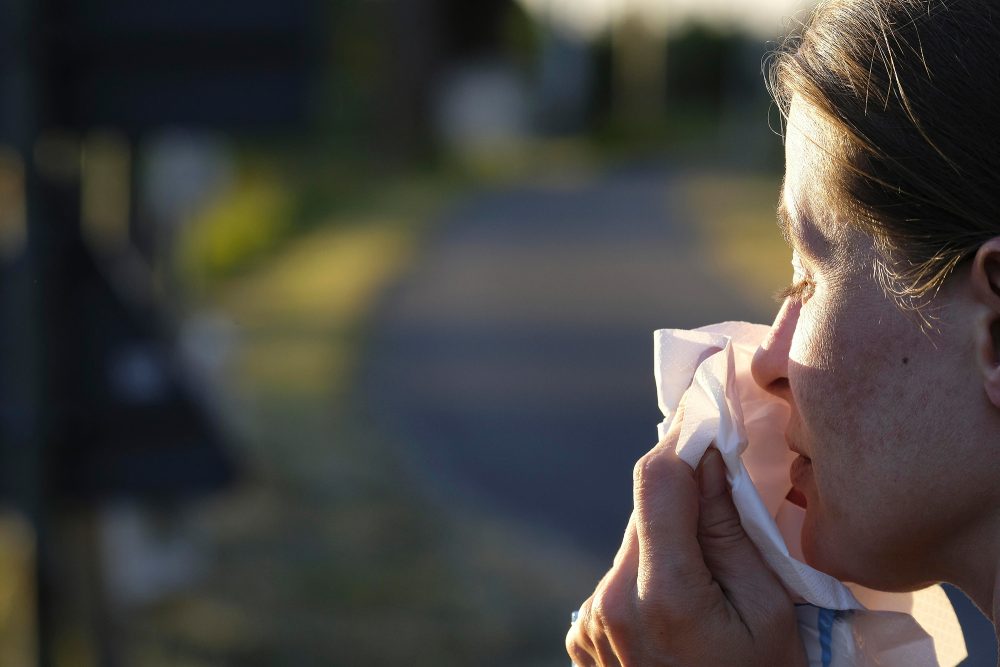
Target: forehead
<point>787,222</point>
<point>806,207</point>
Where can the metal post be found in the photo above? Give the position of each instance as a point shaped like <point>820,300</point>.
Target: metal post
<point>23,415</point>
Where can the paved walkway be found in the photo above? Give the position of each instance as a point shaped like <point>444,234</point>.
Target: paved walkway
<point>515,363</point>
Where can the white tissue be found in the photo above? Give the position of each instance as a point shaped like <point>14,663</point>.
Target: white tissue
<point>708,369</point>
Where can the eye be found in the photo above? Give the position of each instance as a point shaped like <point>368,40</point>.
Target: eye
<point>800,290</point>
<point>802,286</point>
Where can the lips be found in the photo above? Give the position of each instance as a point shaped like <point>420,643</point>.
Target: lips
<point>801,467</point>
<point>796,497</point>
<point>799,472</point>
<point>791,445</point>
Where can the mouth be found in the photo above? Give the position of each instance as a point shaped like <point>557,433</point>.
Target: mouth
<point>796,497</point>
<point>791,446</point>
<point>799,472</point>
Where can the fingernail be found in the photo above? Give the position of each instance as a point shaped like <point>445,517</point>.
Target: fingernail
<point>713,474</point>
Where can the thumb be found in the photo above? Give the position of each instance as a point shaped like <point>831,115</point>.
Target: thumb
<point>729,554</point>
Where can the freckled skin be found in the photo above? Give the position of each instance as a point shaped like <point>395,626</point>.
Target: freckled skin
<point>892,500</point>
<point>860,419</point>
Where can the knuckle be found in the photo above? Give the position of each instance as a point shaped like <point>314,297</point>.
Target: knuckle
<point>639,471</point>
<point>609,612</point>
<point>652,467</point>
<point>578,641</point>
<point>573,647</point>
<point>579,656</point>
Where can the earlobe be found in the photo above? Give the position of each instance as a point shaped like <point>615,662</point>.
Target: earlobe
<point>985,283</point>
<point>991,373</point>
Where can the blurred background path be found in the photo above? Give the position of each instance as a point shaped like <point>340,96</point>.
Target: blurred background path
<point>515,364</point>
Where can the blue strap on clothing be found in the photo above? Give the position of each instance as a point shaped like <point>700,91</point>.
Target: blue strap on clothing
<point>824,623</point>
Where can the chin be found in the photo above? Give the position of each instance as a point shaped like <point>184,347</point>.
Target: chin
<point>833,555</point>
<point>827,553</point>
<point>816,554</point>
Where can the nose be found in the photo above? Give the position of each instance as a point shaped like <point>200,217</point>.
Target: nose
<point>770,362</point>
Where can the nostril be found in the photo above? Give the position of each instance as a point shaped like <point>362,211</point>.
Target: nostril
<point>769,366</point>
<point>759,368</point>
<point>779,386</point>
<point>768,370</point>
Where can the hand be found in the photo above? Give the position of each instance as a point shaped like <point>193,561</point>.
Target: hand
<point>687,587</point>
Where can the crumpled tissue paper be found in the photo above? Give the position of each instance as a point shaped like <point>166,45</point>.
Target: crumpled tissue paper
<point>841,624</point>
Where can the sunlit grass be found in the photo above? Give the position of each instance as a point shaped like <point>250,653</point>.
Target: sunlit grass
<point>327,277</point>
<point>242,223</point>
<point>299,316</point>
<point>735,213</point>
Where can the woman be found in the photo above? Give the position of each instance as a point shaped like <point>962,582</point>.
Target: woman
<point>886,347</point>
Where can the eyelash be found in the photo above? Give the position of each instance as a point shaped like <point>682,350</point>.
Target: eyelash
<point>800,290</point>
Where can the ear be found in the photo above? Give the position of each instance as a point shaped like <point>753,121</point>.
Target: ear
<point>985,283</point>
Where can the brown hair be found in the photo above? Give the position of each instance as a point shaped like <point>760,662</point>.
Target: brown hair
<point>913,86</point>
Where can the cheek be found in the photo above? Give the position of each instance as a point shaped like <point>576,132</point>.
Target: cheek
<point>840,362</point>
<point>836,380</point>
<point>862,413</point>
<point>883,437</point>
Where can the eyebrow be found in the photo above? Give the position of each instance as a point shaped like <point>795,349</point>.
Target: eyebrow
<point>800,233</point>
<point>785,223</point>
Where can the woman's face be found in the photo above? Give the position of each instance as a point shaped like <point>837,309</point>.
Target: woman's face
<point>877,404</point>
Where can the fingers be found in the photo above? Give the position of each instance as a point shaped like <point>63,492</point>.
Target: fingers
<point>665,498</point>
<point>728,552</point>
<point>666,507</point>
<point>589,640</point>
<point>604,620</point>
<point>579,647</point>
<point>685,571</point>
